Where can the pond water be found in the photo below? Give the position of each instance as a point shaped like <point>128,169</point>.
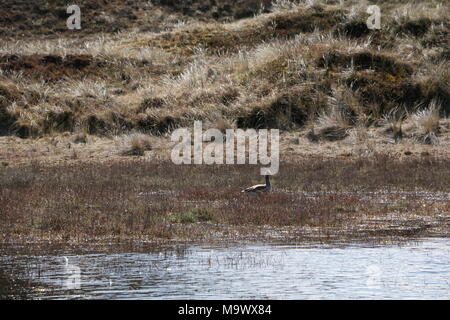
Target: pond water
<point>417,270</point>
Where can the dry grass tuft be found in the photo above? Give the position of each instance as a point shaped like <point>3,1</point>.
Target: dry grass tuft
<point>394,119</point>
<point>333,124</point>
<point>427,123</point>
<point>134,144</point>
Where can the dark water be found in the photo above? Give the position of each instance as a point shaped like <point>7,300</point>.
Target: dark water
<point>419,270</point>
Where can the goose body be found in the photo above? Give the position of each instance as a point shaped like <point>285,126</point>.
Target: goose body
<point>260,187</point>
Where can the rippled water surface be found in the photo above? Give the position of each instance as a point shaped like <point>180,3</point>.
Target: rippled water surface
<point>419,270</point>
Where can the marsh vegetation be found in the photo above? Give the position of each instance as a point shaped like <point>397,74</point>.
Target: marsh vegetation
<point>318,199</point>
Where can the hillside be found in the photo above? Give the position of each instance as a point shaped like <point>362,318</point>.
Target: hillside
<point>313,70</point>
<point>22,18</point>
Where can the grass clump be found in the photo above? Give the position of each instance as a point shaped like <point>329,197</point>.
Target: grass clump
<point>193,216</point>
<point>416,27</point>
<point>365,60</point>
<point>427,122</point>
<point>331,125</point>
<point>283,111</point>
<point>394,119</point>
<point>353,29</point>
<point>436,87</point>
<point>380,93</point>
<point>135,145</point>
